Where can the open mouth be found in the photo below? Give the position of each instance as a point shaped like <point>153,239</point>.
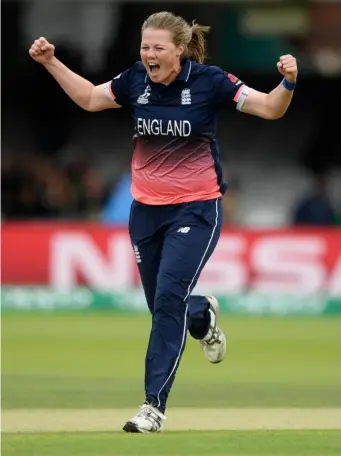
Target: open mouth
<point>153,67</point>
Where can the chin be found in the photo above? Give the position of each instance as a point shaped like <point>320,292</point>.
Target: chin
<point>159,77</point>
<point>156,77</point>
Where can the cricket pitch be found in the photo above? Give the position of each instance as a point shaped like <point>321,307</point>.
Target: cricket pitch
<point>178,419</point>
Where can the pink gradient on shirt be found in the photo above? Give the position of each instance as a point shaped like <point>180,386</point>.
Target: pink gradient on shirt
<point>174,172</point>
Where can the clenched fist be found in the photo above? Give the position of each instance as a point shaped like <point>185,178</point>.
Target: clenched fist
<point>42,51</point>
<point>287,66</point>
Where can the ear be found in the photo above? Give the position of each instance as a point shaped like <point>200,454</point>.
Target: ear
<point>180,50</point>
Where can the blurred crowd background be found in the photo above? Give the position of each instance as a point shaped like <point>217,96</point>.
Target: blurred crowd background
<point>59,162</point>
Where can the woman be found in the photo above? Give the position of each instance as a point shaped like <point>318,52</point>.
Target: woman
<point>177,185</point>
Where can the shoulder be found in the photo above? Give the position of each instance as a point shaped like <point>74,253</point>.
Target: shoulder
<point>137,70</point>
<point>206,70</point>
<point>213,73</point>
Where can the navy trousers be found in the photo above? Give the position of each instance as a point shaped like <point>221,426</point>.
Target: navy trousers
<point>172,244</point>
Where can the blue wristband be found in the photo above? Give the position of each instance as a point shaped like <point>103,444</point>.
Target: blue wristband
<point>288,85</point>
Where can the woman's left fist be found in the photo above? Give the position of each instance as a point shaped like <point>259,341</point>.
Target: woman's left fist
<point>287,66</point>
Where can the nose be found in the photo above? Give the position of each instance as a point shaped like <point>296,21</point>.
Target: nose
<point>150,54</point>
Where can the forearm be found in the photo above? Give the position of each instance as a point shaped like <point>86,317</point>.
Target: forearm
<point>279,101</point>
<point>275,104</point>
<point>75,86</point>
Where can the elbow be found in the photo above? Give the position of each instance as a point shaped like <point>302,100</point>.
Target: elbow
<point>86,106</point>
<point>269,115</point>
<point>275,114</point>
<point>274,109</point>
<point>269,112</point>
<point>91,108</point>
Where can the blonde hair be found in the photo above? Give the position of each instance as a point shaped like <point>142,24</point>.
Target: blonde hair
<point>192,37</point>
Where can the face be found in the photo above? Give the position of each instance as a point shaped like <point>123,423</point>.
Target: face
<point>159,55</point>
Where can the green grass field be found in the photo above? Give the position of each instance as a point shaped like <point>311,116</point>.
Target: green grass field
<point>56,365</point>
<point>237,443</point>
<point>97,360</point>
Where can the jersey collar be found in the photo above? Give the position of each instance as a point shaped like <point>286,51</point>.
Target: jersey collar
<point>183,75</point>
<point>186,70</point>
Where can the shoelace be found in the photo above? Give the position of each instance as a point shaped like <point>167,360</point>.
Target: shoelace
<point>146,412</point>
<point>214,339</point>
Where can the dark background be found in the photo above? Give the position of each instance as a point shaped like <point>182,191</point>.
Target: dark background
<point>61,162</point>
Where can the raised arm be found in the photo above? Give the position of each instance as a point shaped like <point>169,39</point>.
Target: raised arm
<point>273,105</point>
<point>81,91</point>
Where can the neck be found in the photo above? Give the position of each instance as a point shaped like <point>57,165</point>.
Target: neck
<point>174,73</point>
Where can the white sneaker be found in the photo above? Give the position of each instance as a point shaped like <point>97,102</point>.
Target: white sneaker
<point>214,343</point>
<point>149,419</point>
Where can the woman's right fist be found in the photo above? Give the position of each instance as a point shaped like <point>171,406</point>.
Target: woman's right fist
<point>42,51</point>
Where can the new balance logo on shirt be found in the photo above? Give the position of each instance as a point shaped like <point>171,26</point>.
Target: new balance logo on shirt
<point>184,229</point>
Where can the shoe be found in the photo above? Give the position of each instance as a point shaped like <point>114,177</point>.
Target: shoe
<point>214,343</point>
<point>149,419</point>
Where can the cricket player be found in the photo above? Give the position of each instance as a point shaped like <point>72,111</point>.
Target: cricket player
<point>177,182</point>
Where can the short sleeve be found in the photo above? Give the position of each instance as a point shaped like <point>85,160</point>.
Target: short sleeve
<point>119,87</point>
<point>229,88</point>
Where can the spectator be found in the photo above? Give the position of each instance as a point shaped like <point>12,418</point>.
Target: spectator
<point>117,208</point>
<point>315,209</point>
<point>36,187</point>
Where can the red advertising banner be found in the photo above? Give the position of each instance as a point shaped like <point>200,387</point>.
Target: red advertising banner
<point>65,256</point>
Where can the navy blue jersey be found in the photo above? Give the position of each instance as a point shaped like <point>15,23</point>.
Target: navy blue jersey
<point>176,156</point>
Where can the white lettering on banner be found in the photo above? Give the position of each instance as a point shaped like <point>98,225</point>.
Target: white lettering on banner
<point>268,264</point>
<point>163,128</point>
<point>72,254</point>
<point>225,271</point>
<point>334,286</point>
<point>289,264</point>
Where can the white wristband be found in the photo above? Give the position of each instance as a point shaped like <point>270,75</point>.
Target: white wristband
<point>242,97</point>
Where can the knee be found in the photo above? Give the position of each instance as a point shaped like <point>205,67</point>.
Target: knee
<point>168,304</point>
